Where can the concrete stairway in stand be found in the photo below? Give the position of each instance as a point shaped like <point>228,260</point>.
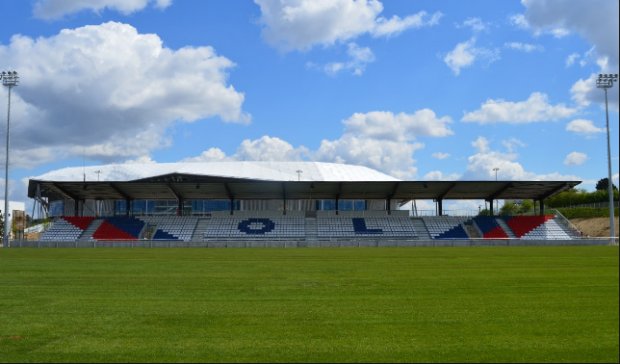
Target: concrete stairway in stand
<point>90,230</point>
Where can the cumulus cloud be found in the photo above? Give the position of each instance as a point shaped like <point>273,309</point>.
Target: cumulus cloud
<point>395,25</point>
<point>54,9</point>
<point>380,140</point>
<point>575,159</point>
<point>461,56</point>
<point>583,127</point>
<point>535,109</point>
<point>519,21</point>
<point>523,47</point>
<point>481,164</point>
<point>109,93</point>
<point>210,155</point>
<point>440,155</point>
<point>269,149</point>
<point>465,54</point>
<point>359,57</point>
<point>265,148</point>
<point>571,59</point>
<point>475,24</point>
<point>440,176</point>
<point>386,125</point>
<point>512,144</point>
<point>391,157</point>
<point>383,140</point>
<point>584,92</point>
<point>596,21</point>
<point>301,24</point>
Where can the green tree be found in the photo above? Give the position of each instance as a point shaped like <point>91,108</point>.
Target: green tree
<point>603,183</point>
<point>526,206</point>
<point>510,208</point>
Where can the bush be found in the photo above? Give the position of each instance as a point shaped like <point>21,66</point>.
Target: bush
<point>585,212</point>
<point>578,197</point>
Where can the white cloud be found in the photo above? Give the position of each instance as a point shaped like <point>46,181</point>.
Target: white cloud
<point>575,159</point>
<point>269,149</point>
<point>584,59</point>
<point>571,59</point>
<point>535,109</point>
<point>210,155</point>
<point>461,56</point>
<point>265,148</point>
<point>54,9</point>
<point>301,24</point>
<point>584,127</point>
<point>481,144</point>
<point>512,144</point>
<point>440,155</point>
<point>440,176</point>
<point>524,47</point>
<point>383,140</point>
<point>379,139</point>
<point>386,125</point>
<point>108,92</point>
<point>465,54</point>
<point>519,21</point>
<point>395,25</point>
<point>391,157</point>
<point>359,57</point>
<point>584,92</point>
<point>476,24</point>
<point>480,166</point>
<point>522,22</point>
<point>595,20</point>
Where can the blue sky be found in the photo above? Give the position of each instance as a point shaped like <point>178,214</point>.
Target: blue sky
<point>421,90</point>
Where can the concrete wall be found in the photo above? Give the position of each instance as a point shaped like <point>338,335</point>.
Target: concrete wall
<point>304,244</point>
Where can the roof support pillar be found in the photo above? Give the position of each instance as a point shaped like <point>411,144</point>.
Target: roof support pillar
<point>180,206</point>
<point>76,207</point>
<point>284,199</point>
<point>232,205</point>
<point>542,206</point>
<point>389,199</point>
<point>440,207</point>
<point>337,203</point>
<point>491,207</point>
<point>127,207</point>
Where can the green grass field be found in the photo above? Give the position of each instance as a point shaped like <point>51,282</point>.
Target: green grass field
<point>484,304</point>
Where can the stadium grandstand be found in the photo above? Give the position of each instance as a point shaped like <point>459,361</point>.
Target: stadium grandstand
<point>278,204</point>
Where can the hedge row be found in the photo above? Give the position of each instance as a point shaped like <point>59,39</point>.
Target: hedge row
<point>585,212</point>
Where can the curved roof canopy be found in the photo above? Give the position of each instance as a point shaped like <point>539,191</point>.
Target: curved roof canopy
<point>268,180</point>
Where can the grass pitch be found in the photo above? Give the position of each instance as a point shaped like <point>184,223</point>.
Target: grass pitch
<point>500,304</point>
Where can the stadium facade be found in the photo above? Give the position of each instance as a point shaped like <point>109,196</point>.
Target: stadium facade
<point>305,203</point>
<point>197,188</point>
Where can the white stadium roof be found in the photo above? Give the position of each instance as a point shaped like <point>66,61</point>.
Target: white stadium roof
<point>265,171</point>
<point>267,180</point>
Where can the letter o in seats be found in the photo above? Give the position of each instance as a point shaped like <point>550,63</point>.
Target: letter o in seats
<point>247,226</point>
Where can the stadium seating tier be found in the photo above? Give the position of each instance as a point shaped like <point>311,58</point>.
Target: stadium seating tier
<point>294,225</point>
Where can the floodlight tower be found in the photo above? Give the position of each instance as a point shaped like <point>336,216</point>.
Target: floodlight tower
<point>9,79</point>
<point>606,81</point>
<point>496,169</point>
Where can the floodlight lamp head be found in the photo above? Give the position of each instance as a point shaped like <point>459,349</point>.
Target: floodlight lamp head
<point>606,80</point>
<point>9,78</point>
